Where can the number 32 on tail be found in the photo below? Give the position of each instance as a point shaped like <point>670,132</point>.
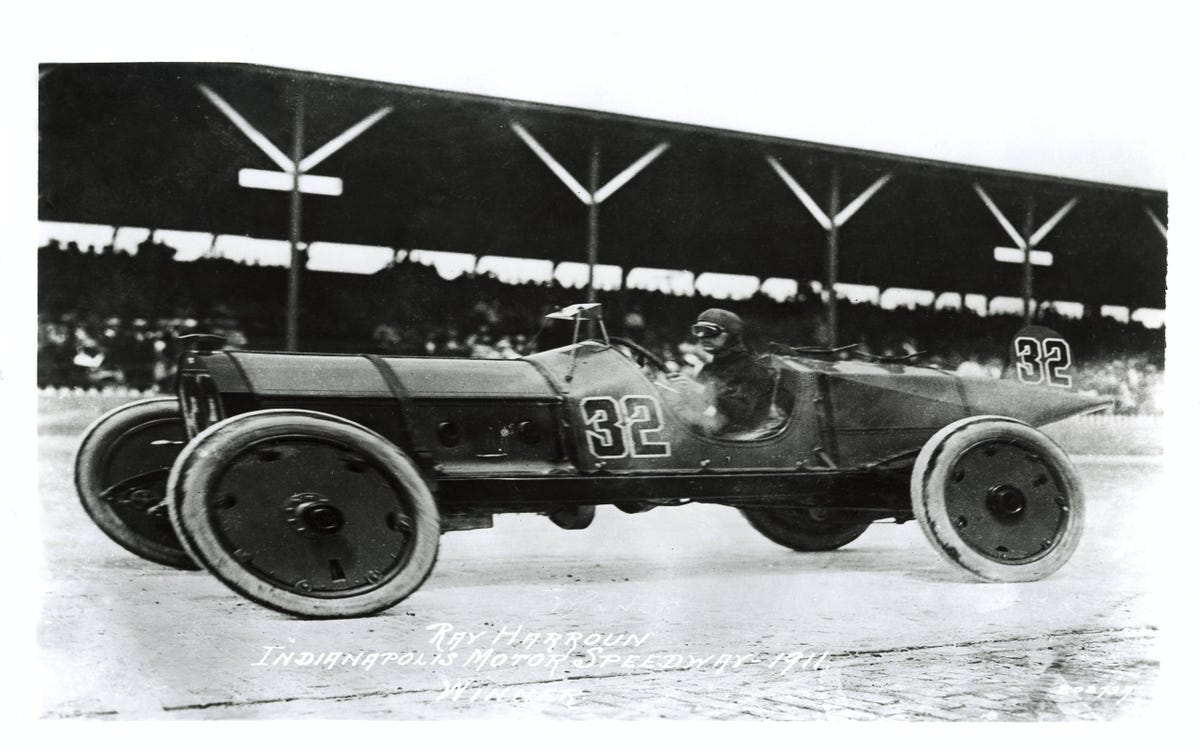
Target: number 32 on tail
<point>1039,356</point>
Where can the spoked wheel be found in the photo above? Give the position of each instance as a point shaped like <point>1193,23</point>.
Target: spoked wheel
<point>998,499</point>
<point>305,513</point>
<point>121,473</point>
<point>806,529</point>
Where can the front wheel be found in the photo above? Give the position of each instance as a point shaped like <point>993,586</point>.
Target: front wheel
<point>806,529</point>
<point>998,499</point>
<point>305,513</point>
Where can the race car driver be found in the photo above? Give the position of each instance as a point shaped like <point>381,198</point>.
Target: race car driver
<point>737,389</point>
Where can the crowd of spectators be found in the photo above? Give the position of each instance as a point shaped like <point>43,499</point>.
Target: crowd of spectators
<point>111,318</point>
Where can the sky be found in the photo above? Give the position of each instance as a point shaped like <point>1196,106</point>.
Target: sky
<point>1067,90</point>
<point>1064,88</point>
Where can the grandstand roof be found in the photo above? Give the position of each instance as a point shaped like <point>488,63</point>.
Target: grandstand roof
<point>141,145</point>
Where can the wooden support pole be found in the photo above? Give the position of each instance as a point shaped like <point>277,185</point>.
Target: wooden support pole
<point>294,219</point>
<point>1027,266</point>
<point>831,257</point>
<point>593,236</point>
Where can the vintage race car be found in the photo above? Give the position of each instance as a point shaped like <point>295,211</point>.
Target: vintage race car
<point>320,484</point>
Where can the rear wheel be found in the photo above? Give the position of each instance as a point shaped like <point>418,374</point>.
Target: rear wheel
<point>806,529</point>
<point>574,518</point>
<point>998,499</point>
<point>306,513</point>
<point>121,473</point>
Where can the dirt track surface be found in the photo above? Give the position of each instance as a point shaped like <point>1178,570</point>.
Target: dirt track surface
<point>677,613</point>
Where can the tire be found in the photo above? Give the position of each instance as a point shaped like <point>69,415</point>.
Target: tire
<point>803,529</point>
<point>305,513</point>
<point>998,499</point>
<point>140,439</point>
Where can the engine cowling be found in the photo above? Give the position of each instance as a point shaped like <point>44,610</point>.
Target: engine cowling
<point>458,415</point>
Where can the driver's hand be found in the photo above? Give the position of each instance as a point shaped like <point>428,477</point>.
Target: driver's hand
<point>683,383</point>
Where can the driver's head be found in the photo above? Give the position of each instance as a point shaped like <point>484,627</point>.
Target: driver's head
<point>718,330</point>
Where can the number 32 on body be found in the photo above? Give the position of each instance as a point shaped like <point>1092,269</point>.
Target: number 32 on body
<point>626,427</point>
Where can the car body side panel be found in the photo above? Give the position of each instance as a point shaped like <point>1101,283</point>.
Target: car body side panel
<point>499,416</point>
<point>1037,405</point>
<point>462,437</point>
<point>880,413</point>
<point>622,422</point>
<point>589,409</point>
<point>355,376</point>
<point>343,376</point>
<point>445,378</point>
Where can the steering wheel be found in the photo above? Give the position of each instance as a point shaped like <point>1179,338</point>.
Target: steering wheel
<point>646,355</point>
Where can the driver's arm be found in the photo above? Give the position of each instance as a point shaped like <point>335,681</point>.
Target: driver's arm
<point>740,398</point>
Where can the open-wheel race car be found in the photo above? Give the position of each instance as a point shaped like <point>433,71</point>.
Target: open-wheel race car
<point>319,484</point>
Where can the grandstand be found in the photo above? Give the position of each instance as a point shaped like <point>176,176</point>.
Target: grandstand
<point>183,148</point>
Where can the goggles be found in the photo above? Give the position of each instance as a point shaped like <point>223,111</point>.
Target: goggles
<point>706,330</point>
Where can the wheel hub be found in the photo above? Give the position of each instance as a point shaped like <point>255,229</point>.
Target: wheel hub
<point>1006,503</point>
<point>322,517</point>
<point>314,515</point>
